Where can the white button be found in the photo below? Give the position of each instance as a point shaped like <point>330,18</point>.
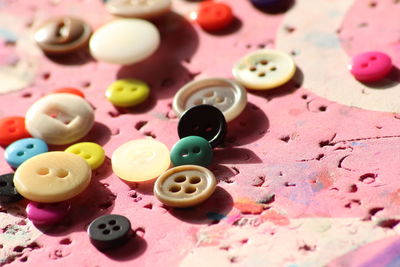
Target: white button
<point>59,119</point>
<point>264,69</point>
<point>226,95</point>
<point>144,9</point>
<point>125,41</point>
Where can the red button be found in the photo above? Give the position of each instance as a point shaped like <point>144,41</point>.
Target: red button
<point>214,16</point>
<point>69,91</point>
<point>12,129</point>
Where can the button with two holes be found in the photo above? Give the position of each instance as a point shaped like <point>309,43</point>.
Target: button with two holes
<point>127,92</point>
<point>12,129</point>
<point>8,193</point>
<point>192,150</point>
<point>91,152</point>
<point>24,149</point>
<point>214,16</point>
<point>370,66</point>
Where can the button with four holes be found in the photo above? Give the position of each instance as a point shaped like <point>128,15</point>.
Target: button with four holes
<point>24,149</point>
<point>12,129</point>
<point>127,92</point>
<point>370,66</point>
<point>68,90</point>
<point>264,69</point>
<point>214,16</point>
<point>8,193</point>
<point>185,186</point>
<point>109,231</point>
<point>192,150</point>
<point>91,152</point>
<point>224,94</point>
<point>47,213</point>
<point>52,177</point>
<point>144,9</point>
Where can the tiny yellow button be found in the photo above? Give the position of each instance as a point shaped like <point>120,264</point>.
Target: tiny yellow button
<point>127,92</point>
<point>91,152</point>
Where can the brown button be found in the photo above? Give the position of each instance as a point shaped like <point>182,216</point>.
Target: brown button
<point>62,35</point>
<point>144,9</point>
<point>185,186</point>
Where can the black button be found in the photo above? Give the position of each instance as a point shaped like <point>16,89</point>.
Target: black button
<point>109,231</point>
<point>8,193</point>
<point>205,121</point>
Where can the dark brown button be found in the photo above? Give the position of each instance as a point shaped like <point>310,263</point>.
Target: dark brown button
<point>62,35</point>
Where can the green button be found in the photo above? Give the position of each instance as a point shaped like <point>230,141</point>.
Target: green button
<point>127,92</point>
<point>192,150</point>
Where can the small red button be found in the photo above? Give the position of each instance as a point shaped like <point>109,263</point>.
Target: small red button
<point>12,129</point>
<point>68,90</point>
<point>214,16</point>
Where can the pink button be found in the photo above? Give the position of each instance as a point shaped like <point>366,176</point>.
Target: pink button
<point>370,66</point>
<point>47,213</point>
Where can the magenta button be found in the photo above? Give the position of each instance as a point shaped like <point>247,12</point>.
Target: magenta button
<point>47,213</point>
<point>370,66</point>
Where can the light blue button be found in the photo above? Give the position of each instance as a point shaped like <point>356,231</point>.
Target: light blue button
<point>23,149</point>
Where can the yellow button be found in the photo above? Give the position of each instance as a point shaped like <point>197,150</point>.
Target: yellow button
<point>91,152</point>
<point>52,177</point>
<point>140,160</point>
<point>127,92</point>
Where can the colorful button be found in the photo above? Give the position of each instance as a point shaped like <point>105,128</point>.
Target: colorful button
<point>193,122</point>
<point>12,129</point>
<point>124,41</point>
<point>185,186</point>
<point>62,35</point>
<point>224,94</point>
<point>47,213</point>
<point>144,9</point>
<point>192,150</point>
<point>68,90</point>
<point>8,193</point>
<point>264,69</point>
<point>265,3</point>
<point>109,231</point>
<point>52,177</point>
<point>140,160</point>
<point>370,66</point>
<point>127,92</point>
<point>91,152</point>
<point>24,149</point>
<point>214,16</point>
<point>60,119</point>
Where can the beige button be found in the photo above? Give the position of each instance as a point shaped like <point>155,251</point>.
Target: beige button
<point>59,119</point>
<point>264,69</point>
<point>224,94</point>
<point>140,160</point>
<point>185,186</point>
<point>52,177</point>
<point>144,9</point>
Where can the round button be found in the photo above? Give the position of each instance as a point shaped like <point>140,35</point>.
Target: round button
<point>214,16</point>
<point>185,186</point>
<point>52,177</point>
<point>226,95</point>
<point>8,193</point>
<point>109,231</point>
<point>144,9</point>
<point>127,92</point>
<point>192,150</point>
<point>371,66</point>
<point>265,3</point>
<point>62,35</point>
<point>60,119</point>
<point>91,152</point>
<point>24,149</point>
<point>264,69</point>
<point>47,213</point>
<point>68,90</point>
<point>124,41</point>
<point>12,129</point>
<point>193,122</point>
<point>140,160</point>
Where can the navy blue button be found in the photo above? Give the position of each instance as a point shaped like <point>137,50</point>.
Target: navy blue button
<point>24,149</point>
<point>8,193</point>
<point>265,3</point>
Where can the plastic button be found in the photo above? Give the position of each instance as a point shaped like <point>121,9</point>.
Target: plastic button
<point>124,41</point>
<point>214,16</point>
<point>52,177</point>
<point>226,95</point>
<point>192,150</point>
<point>265,3</point>
<point>127,92</point>
<point>205,121</point>
<point>264,69</point>
<point>144,9</point>
<point>140,160</point>
<point>8,193</point>
<point>91,152</point>
<point>371,66</point>
<point>109,231</point>
<point>47,213</point>
<point>12,129</point>
<point>67,90</point>
<point>60,119</point>
<point>185,186</point>
<point>24,149</point>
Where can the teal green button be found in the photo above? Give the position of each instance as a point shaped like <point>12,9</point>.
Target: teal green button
<point>192,150</point>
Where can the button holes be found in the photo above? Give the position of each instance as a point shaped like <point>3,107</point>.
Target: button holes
<point>209,94</point>
<point>196,150</point>
<point>76,151</point>
<point>101,226</point>
<point>196,128</point>
<point>195,180</point>
<point>3,183</point>
<point>43,171</point>
<point>133,89</point>
<point>252,68</point>
<point>263,62</point>
<point>87,156</point>
<point>30,146</point>
<point>20,153</point>
<point>106,232</point>
<point>119,89</point>
<point>273,68</point>
<point>61,173</point>
<point>12,130</point>
<point>209,129</point>
<point>175,188</point>
<point>190,190</point>
<point>184,153</point>
<point>116,228</point>
<point>198,102</point>
<point>10,122</point>
<point>220,100</point>
<point>261,74</point>
<point>373,58</point>
<point>180,179</point>
<point>364,65</point>
<point>112,222</point>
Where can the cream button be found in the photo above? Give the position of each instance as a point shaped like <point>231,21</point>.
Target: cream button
<point>124,41</point>
<point>140,160</point>
<point>52,177</point>
<point>144,9</point>
<point>264,69</point>
<point>59,119</point>
<point>224,94</point>
<point>185,186</point>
